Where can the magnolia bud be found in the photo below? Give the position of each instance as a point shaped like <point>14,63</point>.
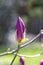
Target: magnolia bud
<point>41,62</point>
<point>22,61</point>
<point>20,29</point>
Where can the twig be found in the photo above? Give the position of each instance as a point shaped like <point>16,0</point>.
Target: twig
<point>23,45</point>
<point>28,56</point>
<point>14,57</point>
<point>29,42</point>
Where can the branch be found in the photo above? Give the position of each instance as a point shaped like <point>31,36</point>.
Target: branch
<point>23,45</point>
<point>27,56</point>
<point>14,57</point>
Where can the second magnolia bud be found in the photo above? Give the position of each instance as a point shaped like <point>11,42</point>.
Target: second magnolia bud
<point>22,61</point>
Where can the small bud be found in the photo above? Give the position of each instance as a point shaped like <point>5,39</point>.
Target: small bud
<point>22,61</point>
<point>41,62</point>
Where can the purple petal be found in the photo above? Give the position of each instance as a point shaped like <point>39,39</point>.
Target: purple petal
<point>41,63</point>
<point>41,35</point>
<point>20,27</point>
<point>22,60</point>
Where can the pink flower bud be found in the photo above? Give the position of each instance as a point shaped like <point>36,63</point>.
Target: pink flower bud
<point>22,61</point>
<point>20,28</point>
<point>41,62</point>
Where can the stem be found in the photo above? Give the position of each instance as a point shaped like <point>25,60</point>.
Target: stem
<point>15,56</point>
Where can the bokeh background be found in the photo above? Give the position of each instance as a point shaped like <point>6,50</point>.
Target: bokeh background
<point>31,11</point>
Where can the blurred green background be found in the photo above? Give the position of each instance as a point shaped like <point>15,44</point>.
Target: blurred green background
<point>31,11</point>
